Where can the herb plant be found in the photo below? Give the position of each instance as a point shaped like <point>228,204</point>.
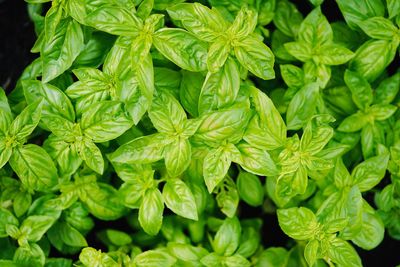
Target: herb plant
<point>146,130</point>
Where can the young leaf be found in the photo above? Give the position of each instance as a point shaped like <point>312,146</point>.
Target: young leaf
<point>302,107</point>
<point>177,156</point>
<point>256,57</point>
<point>227,238</point>
<point>105,121</point>
<point>250,189</point>
<point>151,211</point>
<point>298,223</point>
<point>182,48</point>
<point>179,199</point>
<point>60,51</point>
<point>34,167</point>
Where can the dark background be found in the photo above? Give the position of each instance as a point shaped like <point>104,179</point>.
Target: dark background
<point>16,39</point>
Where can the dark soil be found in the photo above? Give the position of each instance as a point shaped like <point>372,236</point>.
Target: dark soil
<point>16,39</point>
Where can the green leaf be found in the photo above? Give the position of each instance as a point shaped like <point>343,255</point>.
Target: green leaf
<point>76,10</point>
<point>302,107</point>
<point>140,49</point>
<point>24,124</point>
<point>379,28</point>
<point>166,114</point>
<point>145,77</point>
<point>60,51</point>
<point>311,252</point>
<point>182,48</point>
<point>93,86</point>
<point>314,139</point>
<point>227,124</point>
<point>341,174</point>
<point>115,20</point>
<point>287,18</point>
<point>345,36</point>
<point>190,127</point>
<point>368,140</point>
<point>177,156</point>
<point>154,258</point>
<point>220,89</point>
<point>31,255</point>
<point>370,172</point>
<point>227,197</point>
<point>317,71</point>
<point>186,252</point>
<point>35,226</point>
<point>236,261</point>
<point>256,57</point>
<point>292,183</point>
<point>336,225</point>
<point>52,20</point>
<point>298,223</point>
<point>91,257</point>
<point>273,256</point>
<point>382,112</point>
<point>179,199</point>
<point>198,19</point>
<point>215,167</point>
<point>315,29</point>
<point>256,160</point>
<point>118,238</point>
<point>292,75</point>
<point>22,202</point>
<point>166,79</point>
<point>5,153</point>
<point>105,121</point>
<point>355,11</point>
<point>249,241</point>
<point>278,41</point>
<point>71,236</point>
<point>189,92</point>
<point>5,113</point>
<point>387,90</point>
<point>151,211</point>
<point>341,252</point>
<point>212,260</point>
<point>103,202</point>
<point>34,167</point>
<point>218,54</point>
<point>63,153</point>
<point>353,123</point>
<point>393,7</point>
<point>250,189</point>
<point>245,23</point>
<point>227,238</point>
<point>91,154</point>
<point>142,150</point>
<point>345,203</point>
<point>384,199</point>
<point>267,130</point>
<point>372,231</point>
<point>360,89</point>
<point>145,8</point>
<point>300,50</point>
<point>316,3</point>
<point>266,12</point>
<point>7,218</point>
<point>54,104</point>
<point>333,54</point>
<point>373,57</point>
